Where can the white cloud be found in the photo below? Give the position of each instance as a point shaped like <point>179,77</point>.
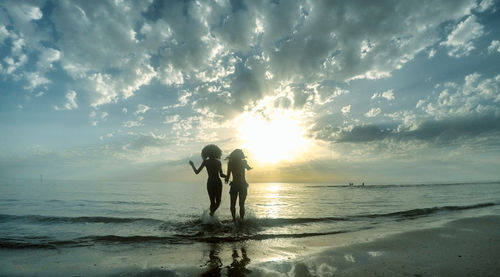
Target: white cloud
<point>494,46</point>
<point>131,123</point>
<point>432,53</point>
<point>141,109</point>
<point>70,101</point>
<point>4,34</point>
<point>114,49</point>
<point>388,95</point>
<point>193,42</point>
<point>171,119</point>
<point>31,12</point>
<point>475,97</point>
<point>373,112</point>
<point>14,63</point>
<point>460,40</point>
<point>35,80</point>
<point>346,109</point>
<point>485,5</point>
<point>47,57</point>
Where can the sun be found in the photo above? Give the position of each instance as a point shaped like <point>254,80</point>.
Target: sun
<point>272,135</point>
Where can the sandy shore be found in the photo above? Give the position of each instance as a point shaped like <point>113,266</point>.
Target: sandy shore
<point>464,247</point>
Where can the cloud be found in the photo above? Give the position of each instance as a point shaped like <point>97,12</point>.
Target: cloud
<point>171,119</point>
<point>494,46</point>
<point>485,5</point>
<point>47,57</point>
<point>389,95</point>
<point>141,141</point>
<point>475,97</point>
<point>141,109</point>
<point>134,123</point>
<point>70,102</point>
<point>115,48</point>
<point>35,80</point>
<point>346,109</point>
<point>461,39</point>
<point>434,131</point>
<point>373,112</point>
<point>316,41</point>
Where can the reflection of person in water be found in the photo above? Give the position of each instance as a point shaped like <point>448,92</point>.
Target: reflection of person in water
<point>238,267</point>
<point>211,160</point>
<point>214,264</point>
<point>236,166</point>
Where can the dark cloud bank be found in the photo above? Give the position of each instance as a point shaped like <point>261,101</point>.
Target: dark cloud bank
<point>428,131</point>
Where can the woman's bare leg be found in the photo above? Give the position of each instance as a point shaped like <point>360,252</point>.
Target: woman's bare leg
<point>243,197</point>
<point>233,205</point>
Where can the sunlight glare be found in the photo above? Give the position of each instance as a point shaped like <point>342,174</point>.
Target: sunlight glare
<point>272,136</point>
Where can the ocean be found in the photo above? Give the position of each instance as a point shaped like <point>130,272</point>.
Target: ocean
<point>69,216</point>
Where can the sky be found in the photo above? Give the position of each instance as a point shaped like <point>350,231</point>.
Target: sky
<point>312,91</point>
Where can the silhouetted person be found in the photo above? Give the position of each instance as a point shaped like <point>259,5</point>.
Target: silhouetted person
<point>236,166</point>
<point>211,155</point>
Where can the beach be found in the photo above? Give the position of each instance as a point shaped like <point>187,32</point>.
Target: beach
<point>463,247</point>
<point>154,229</point>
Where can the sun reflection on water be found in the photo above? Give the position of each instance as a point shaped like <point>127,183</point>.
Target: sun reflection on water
<point>273,201</point>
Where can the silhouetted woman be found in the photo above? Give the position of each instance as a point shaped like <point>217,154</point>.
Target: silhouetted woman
<point>236,166</point>
<point>211,160</point>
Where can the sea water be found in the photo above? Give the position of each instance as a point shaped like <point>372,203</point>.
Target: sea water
<point>78,214</point>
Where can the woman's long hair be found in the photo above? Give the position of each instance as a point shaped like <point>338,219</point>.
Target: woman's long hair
<point>211,151</point>
<point>236,155</point>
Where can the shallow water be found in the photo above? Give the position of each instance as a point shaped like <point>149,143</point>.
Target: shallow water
<point>62,214</point>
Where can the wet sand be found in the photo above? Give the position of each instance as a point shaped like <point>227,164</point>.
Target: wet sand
<point>465,247</point>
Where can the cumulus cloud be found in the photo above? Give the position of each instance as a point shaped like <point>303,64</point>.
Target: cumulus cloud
<point>70,102</point>
<point>141,109</point>
<point>346,109</point>
<point>474,97</point>
<point>373,112</point>
<point>388,95</point>
<point>484,5</point>
<point>461,39</point>
<point>469,110</point>
<point>171,119</point>
<point>35,80</point>
<point>47,57</point>
<point>133,123</point>
<point>248,49</point>
<point>494,46</point>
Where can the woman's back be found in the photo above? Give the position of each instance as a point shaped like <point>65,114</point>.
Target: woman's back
<point>237,167</point>
<point>213,167</point>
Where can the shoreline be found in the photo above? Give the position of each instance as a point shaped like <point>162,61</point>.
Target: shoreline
<point>466,246</point>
